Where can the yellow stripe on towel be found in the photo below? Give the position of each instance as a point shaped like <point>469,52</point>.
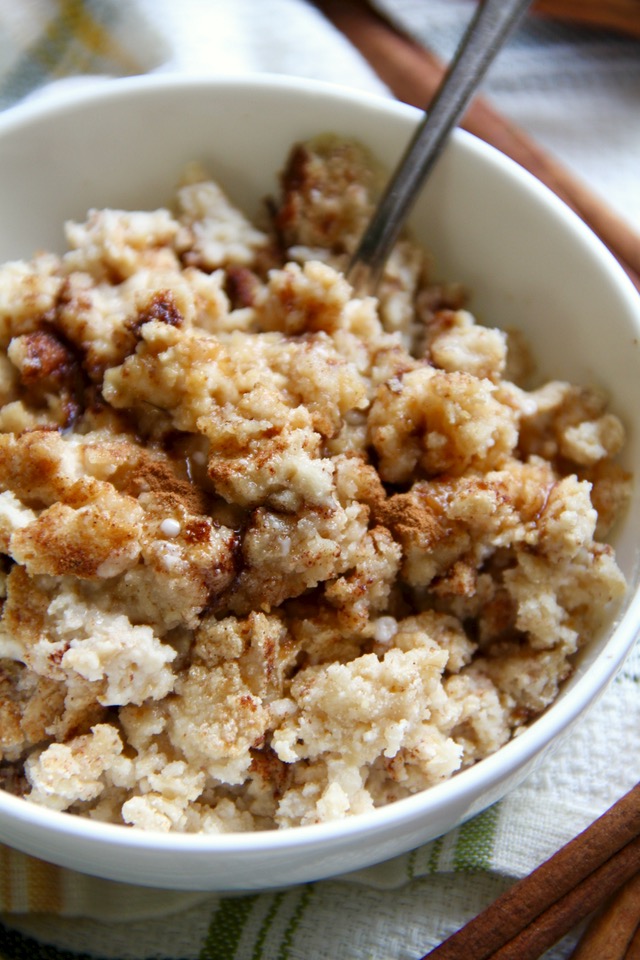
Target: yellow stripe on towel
<point>84,39</point>
<point>29,885</point>
<point>45,886</point>
<point>97,39</point>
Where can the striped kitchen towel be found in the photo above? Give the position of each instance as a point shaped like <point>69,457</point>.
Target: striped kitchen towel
<point>42,41</point>
<point>402,908</point>
<point>46,45</point>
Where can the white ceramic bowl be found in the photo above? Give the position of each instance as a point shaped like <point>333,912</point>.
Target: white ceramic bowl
<point>529,261</point>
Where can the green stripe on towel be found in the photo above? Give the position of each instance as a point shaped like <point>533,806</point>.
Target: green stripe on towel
<point>303,902</point>
<point>266,925</point>
<point>249,927</point>
<point>475,843</point>
<point>226,928</point>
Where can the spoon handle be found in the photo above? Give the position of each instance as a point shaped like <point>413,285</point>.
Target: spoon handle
<point>491,25</point>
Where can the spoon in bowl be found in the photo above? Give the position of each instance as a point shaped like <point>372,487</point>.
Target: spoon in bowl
<point>490,27</point>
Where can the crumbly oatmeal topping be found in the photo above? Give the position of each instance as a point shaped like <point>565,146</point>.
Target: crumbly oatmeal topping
<point>274,554</point>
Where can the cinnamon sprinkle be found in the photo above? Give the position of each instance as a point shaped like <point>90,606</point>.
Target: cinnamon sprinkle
<point>158,477</point>
<point>406,517</point>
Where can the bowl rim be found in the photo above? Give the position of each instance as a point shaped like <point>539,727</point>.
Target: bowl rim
<point>518,752</point>
<point>43,104</point>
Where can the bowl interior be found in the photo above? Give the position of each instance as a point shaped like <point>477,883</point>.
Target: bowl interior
<point>529,264</point>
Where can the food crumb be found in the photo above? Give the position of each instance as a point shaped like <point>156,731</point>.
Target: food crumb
<point>272,553</point>
<point>170,528</point>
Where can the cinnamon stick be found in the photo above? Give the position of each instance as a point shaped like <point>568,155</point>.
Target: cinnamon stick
<point>558,894</point>
<point>413,74</point>
<point>622,16</point>
<point>610,933</point>
<point>570,910</point>
<point>633,950</point>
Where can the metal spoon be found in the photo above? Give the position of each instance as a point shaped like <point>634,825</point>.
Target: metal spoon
<point>486,34</point>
